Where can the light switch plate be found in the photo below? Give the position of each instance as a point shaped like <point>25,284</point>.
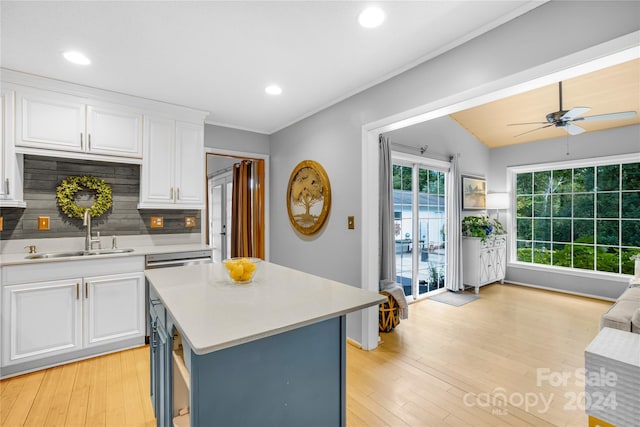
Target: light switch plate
<point>43,223</point>
<point>157,222</point>
<point>351,222</point>
<point>189,221</point>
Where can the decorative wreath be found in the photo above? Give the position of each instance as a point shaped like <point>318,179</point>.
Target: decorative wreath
<point>66,193</point>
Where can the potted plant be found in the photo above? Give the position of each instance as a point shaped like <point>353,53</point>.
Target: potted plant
<point>481,226</point>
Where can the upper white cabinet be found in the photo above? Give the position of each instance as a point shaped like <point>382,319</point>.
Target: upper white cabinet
<point>53,121</point>
<point>172,175</point>
<point>11,164</point>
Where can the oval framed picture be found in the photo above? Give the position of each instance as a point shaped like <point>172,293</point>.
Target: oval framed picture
<point>308,197</point>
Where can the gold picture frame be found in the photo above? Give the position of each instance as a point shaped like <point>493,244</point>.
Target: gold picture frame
<point>474,193</point>
<point>308,197</point>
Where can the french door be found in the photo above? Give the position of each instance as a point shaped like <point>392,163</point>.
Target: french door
<point>220,192</point>
<point>420,217</point>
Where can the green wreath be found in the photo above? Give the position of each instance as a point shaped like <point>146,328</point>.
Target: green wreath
<point>66,193</point>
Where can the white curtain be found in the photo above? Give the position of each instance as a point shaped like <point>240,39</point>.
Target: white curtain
<point>454,239</point>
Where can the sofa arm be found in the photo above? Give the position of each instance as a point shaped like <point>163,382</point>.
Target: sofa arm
<point>635,322</point>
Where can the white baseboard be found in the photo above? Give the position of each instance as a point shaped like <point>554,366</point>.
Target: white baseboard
<point>562,291</point>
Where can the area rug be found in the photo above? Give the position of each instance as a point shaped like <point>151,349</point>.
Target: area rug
<point>454,298</point>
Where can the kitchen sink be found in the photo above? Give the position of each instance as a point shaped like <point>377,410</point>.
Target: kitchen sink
<point>78,253</point>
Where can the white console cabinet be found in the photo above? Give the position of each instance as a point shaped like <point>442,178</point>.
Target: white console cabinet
<point>57,122</point>
<point>54,312</point>
<point>172,175</point>
<point>11,164</point>
<point>483,262</point>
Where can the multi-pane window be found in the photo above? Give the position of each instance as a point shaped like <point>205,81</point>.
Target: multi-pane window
<point>582,217</point>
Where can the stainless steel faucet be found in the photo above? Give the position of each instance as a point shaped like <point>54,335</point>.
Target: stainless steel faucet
<point>88,240</point>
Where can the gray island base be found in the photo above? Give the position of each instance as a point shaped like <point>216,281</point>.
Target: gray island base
<point>270,353</point>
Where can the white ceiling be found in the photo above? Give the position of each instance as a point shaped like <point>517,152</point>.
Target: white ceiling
<point>219,56</point>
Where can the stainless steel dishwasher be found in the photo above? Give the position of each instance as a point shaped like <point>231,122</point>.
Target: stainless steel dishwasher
<point>171,259</point>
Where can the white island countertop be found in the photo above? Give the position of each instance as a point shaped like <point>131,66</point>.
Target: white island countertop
<point>212,313</point>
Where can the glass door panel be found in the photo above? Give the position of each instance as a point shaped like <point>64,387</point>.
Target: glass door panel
<point>420,224</point>
<point>403,219</point>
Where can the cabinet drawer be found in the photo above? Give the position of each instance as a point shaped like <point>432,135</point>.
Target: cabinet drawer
<point>55,270</point>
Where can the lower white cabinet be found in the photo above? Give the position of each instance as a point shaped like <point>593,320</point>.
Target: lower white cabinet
<point>42,319</point>
<point>86,310</point>
<point>113,308</point>
<point>483,262</point>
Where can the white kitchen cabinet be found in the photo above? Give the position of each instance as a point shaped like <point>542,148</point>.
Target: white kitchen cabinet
<point>53,312</point>
<point>11,164</point>
<point>41,319</point>
<point>483,262</point>
<point>60,124</point>
<point>172,174</point>
<point>113,308</point>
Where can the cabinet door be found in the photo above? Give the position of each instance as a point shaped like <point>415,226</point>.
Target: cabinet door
<point>486,266</point>
<point>11,194</point>
<point>114,130</point>
<point>50,120</point>
<point>113,308</point>
<point>40,320</point>
<point>157,172</point>
<point>190,178</point>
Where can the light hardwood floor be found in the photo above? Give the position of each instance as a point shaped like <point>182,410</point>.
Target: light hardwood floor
<point>477,364</point>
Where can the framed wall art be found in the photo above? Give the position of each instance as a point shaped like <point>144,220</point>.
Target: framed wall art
<point>308,197</point>
<point>474,193</point>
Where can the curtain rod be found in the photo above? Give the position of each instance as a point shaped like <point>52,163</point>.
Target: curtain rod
<point>422,149</point>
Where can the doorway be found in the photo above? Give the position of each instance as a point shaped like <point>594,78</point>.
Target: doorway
<point>220,221</point>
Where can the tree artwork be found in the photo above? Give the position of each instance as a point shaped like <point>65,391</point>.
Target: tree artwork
<point>307,191</point>
<point>309,197</point>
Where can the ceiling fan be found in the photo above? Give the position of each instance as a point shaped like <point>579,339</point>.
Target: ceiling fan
<point>565,118</point>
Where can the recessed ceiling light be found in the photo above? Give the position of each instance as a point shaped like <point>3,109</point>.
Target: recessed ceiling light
<point>273,90</point>
<point>76,58</point>
<point>371,17</point>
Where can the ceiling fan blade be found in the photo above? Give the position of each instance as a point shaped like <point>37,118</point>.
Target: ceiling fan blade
<point>610,116</point>
<point>532,123</point>
<point>573,129</point>
<point>533,130</point>
<point>574,113</point>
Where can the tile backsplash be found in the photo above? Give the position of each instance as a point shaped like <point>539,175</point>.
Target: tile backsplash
<point>43,174</point>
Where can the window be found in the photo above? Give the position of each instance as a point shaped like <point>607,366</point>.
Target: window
<point>582,215</point>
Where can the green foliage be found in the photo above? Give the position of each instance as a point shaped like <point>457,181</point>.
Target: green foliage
<point>481,226</point>
<point>67,190</point>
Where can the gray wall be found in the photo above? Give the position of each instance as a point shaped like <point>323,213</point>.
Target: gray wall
<point>43,174</point>
<point>235,139</point>
<point>445,137</point>
<point>333,136</point>
<point>624,140</point>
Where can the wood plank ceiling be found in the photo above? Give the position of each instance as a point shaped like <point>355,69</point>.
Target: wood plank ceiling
<point>605,91</point>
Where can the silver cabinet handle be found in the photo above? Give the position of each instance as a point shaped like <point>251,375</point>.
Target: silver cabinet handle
<point>89,142</point>
<point>171,193</point>
<point>86,290</point>
<point>77,290</point>
<point>8,187</point>
<point>177,193</point>
<point>81,142</point>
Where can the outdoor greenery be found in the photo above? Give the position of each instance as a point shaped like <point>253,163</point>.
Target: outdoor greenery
<point>587,217</point>
<point>429,181</point>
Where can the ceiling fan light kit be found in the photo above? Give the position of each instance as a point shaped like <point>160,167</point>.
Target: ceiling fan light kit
<point>565,118</point>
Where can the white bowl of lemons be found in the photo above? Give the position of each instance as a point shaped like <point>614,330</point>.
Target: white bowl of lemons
<point>242,269</point>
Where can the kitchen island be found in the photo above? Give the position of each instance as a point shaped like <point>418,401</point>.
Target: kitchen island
<point>271,352</point>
